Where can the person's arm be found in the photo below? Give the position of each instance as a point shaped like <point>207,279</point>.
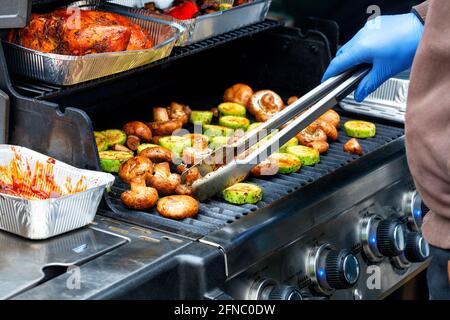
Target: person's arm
<point>428,123</point>
<point>421,11</point>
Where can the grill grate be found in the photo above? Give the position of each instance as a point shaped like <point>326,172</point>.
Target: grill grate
<point>216,213</point>
<point>37,89</point>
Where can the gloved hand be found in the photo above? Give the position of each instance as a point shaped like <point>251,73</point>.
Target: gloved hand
<point>389,43</point>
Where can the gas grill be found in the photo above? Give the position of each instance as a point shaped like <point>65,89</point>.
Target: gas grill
<point>279,248</point>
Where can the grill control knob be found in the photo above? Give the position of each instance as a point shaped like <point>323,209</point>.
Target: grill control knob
<point>382,237</point>
<point>268,289</point>
<point>391,238</point>
<point>414,209</point>
<point>342,269</point>
<point>281,292</point>
<point>332,269</point>
<point>417,249</point>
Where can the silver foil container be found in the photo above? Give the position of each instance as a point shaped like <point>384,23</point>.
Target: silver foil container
<point>69,70</point>
<point>387,102</point>
<point>213,24</point>
<point>42,219</point>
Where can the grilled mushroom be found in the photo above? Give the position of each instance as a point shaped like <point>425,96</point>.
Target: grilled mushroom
<point>331,117</point>
<point>157,154</point>
<point>183,189</point>
<point>329,129</point>
<point>162,180</point>
<point>119,147</point>
<point>192,175</point>
<point>138,129</point>
<point>162,124</point>
<point>265,168</point>
<point>177,207</point>
<point>310,134</point>
<point>239,93</point>
<point>178,111</point>
<point>292,99</point>
<point>265,104</point>
<point>321,146</point>
<point>135,167</point>
<point>133,142</point>
<point>353,146</point>
<point>140,197</point>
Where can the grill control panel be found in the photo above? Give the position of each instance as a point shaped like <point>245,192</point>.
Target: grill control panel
<point>365,252</point>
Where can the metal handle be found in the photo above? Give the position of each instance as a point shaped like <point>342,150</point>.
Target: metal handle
<point>327,102</point>
<point>4,117</point>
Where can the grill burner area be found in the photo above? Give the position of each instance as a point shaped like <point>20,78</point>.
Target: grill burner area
<point>216,213</point>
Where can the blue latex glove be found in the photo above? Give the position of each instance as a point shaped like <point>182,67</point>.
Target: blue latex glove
<point>389,43</point>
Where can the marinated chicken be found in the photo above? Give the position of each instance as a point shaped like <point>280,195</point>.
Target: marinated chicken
<point>80,32</point>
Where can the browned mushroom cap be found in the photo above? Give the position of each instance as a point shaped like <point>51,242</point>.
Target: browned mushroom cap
<point>192,175</point>
<point>157,154</point>
<point>331,117</point>
<point>310,134</point>
<point>177,207</point>
<point>165,128</point>
<point>329,129</point>
<point>135,167</point>
<point>162,180</point>
<point>183,189</point>
<point>119,147</point>
<point>292,99</point>
<point>138,129</point>
<point>239,93</point>
<point>321,146</point>
<point>133,142</point>
<point>353,146</point>
<point>140,197</point>
<point>265,168</point>
<point>179,111</point>
<point>160,114</point>
<point>265,104</point>
<point>181,168</point>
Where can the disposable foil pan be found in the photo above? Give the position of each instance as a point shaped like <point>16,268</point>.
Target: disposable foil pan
<point>68,70</point>
<point>387,102</point>
<point>42,219</point>
<point>214,24</point>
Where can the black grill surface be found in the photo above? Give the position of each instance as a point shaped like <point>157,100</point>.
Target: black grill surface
<point>216,213</point>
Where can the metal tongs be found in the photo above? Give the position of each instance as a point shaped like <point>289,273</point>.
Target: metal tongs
<point>231,164</point>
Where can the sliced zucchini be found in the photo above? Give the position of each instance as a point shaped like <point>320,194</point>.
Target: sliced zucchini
<point>287,163</point>
<point>225,6</point>
<point>217,142</point>
<point>360,129</point>
<point>232,109</point>
<point>101,141</point>
<point>234,122</point>
<point>243,193</point>
<point>175,143</point>
<point>254,125</point>
<point>197,140</point>
<point>308,156</point>
<point>115,136</point>
<point>110,161</point>
<point>201,117</point>
<point>144,146</point>
<point>290,143</point>
<point>216,131</point>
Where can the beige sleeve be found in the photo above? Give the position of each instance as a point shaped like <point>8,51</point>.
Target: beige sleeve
<point>421,10</point>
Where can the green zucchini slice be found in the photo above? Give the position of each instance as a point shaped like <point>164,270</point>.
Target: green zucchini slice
<point>201,117</point>
<point>243,193</point>
<point>234,122</point>
<point>287,163</point>
<point>217,142</point>
<point>308,156</point>
<point>254,125</point>
<point>232,109</point>
<point>216,131</point>
<point>290,143</point>
<point>110,161</point>
<point>175,143</point>
<point>101,141</point>
<point>115,136</point>
<point>360,129</point>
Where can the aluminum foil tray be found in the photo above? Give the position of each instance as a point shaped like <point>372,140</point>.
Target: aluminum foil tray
<point>42,219</point>
<point>69,70</point>
<point>388,102</point>
<point>213,24</point>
